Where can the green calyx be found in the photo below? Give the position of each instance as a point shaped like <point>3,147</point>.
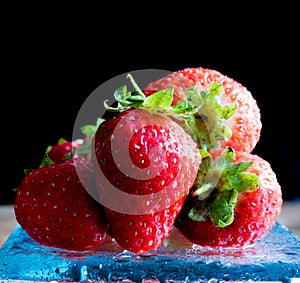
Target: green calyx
<point>207,123</point>
<point>217,186</point>
<point>201,112</point>
<point>159,101</point>
<point>46,159</point>
<point>89,131</point>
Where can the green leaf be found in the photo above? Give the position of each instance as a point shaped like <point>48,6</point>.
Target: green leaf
<point>49,147</point>
<point>227,111</point>
<point>46,161</point>
<point>222,208</point>
<point>247,181</point>
<point>205,154</point>
<point>193,94</point>
<point>61,140</point>
<point>27,171</point>
<point>70,154</point>
<point>240,167</point>
<point>160,99</point>
<point>90,130</point>
<point>215,89</point>
<point>190,105</point>
<point>223,162</point>
<point>182,107</point>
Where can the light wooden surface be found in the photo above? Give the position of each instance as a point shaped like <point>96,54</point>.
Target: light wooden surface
<point>290,217</point>
<point>7,222</point>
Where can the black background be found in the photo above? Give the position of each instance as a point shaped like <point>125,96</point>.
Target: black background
<point>50,71</point>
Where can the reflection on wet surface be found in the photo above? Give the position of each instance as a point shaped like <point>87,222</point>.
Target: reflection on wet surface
<point>276,257</point>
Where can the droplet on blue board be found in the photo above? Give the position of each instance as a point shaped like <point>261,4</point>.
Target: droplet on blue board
<point>273,258</point>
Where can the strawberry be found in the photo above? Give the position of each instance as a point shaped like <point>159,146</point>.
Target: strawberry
<point>245,124</point>
<point>148,164</point>
<point>77,147</point>
<point>63,147</point>
<point>54,208</point>
<point>235,201</point>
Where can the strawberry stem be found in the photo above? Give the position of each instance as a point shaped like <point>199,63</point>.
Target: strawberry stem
<point>136,87</point>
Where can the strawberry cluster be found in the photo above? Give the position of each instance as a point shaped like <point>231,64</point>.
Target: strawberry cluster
<point>175,154</point>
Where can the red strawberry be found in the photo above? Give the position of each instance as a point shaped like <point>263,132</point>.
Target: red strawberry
<point>54,208</point>
<point>60,150</point>
<point>77,147</point>
<point>230,207</point>
<point>148,165</point>
<point>245,124</point>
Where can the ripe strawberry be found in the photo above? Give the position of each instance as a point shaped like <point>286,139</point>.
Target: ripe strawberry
<point>232,206</point>
<point>149,164</point>
<point>245,124</point>
<point>63,147</point>
<point>54,208</point>
<point>77,147</point>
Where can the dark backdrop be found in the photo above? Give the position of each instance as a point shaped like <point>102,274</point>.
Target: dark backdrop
<point>48,75</point>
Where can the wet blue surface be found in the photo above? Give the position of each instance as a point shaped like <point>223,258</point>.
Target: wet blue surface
<point>275,257</point>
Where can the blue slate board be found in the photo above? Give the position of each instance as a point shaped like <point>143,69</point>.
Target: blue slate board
<point>273,258</point>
